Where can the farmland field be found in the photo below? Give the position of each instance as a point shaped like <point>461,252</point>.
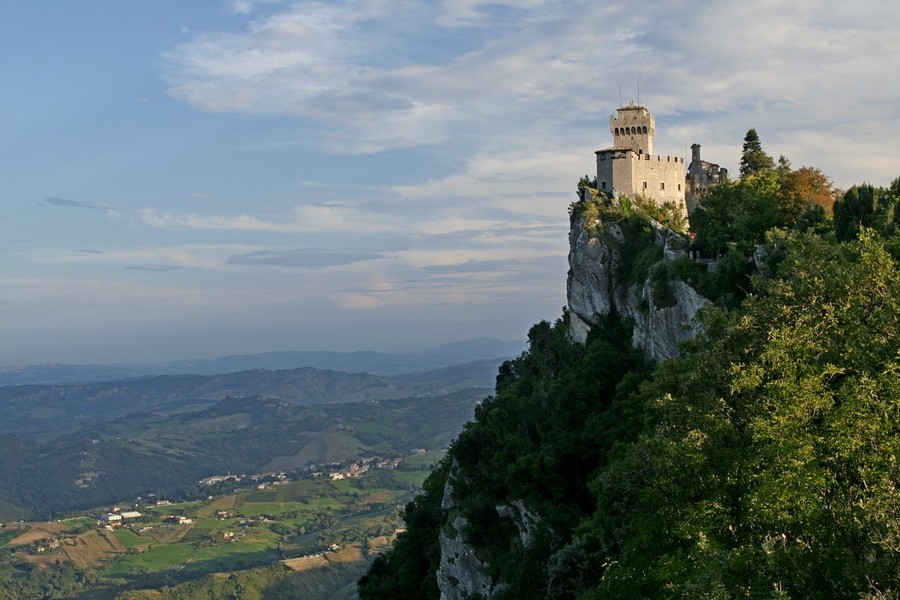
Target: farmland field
<point>319,532</point>
<point>41,531</point>
<point>156,558</point>
<point>93,549</point>
<point>129,539</point>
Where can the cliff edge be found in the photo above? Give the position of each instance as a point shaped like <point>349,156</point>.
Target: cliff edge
<point>622,263</point>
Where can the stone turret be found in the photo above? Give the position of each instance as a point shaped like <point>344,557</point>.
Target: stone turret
<point>701,176</point>
<point>633,127</point>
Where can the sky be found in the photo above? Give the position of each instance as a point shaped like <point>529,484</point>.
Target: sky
<point>198,179</point>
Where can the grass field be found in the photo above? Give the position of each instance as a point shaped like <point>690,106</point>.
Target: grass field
<point>272,509</point>
<point>166,533</point>
<point>249,551</point>
<point>159,557</point>
<point>208,510</point>
<point>305,563</point>
<point>202,529</point>
<point>129,539</point>
<point>426,460</point>
<point>413,477</point>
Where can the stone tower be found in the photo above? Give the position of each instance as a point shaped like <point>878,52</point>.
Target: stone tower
<point>631,168</point>
<point>633,127</point>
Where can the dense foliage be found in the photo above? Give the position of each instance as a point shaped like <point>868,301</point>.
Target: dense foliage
<point>762,463</point>
<point>767,461</point>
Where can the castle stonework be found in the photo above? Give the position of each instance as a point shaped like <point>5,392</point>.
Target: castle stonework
<point>630,167</point>
<point>701,176</point>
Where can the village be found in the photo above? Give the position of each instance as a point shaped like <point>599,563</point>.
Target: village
<point>257,511</point>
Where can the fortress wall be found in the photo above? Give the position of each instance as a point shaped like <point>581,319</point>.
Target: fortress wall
<point>660,178</point>
<point>628,172</point>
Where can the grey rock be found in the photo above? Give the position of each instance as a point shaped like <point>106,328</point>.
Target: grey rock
<point>594,290</point>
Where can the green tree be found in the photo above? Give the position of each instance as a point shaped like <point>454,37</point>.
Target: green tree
<point>753,158</point>
<point>768,466</point>
<point>739,212</point>
<point>867,206</point>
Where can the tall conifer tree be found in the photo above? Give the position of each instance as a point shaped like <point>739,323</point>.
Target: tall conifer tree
<point>754,159</point>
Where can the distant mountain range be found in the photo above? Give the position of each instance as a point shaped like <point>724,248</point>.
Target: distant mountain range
<point>374,363</point>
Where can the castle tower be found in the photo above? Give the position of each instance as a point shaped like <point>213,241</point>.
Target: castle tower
<point>633,127</point>
<point>631,168</point>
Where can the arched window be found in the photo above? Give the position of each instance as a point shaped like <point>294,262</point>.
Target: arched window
<point>645,130</point>
<point>617,131</point>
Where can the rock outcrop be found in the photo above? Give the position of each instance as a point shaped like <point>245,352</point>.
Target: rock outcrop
<point>596,287</point>
<point>461,573</point>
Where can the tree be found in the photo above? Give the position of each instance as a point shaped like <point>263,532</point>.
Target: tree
<point>740,212</point>
<point>857,209</point>
<point>754,159</point>
<point>803,187</point>
<point>768,467</point>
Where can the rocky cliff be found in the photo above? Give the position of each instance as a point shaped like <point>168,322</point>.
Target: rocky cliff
<point>462,574</point>
<point>600,282</point>
<point>618,264</point>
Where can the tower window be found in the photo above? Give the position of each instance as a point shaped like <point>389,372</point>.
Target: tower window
<point>645,185</point>
<point>602,185</point>
<point>679,187</point>
<point>662,185</point>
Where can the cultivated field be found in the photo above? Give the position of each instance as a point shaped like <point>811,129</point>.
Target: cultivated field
<point>38,532</point>
<point>92,549</point>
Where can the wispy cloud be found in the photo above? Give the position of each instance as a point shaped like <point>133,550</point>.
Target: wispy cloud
<point>160,269</point>
<point>76,204</point>
<point>245,7</point>
<point>170,220</point>
<point>302,259</point>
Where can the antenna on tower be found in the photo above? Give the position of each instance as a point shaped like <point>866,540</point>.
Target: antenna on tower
<point>639,89</point>
<point>620,94</point>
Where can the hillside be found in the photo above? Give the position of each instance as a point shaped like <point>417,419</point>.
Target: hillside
<point>749,453</point>
<point>72,447</point>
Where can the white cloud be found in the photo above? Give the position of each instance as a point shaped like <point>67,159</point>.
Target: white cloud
<point>387,74</point>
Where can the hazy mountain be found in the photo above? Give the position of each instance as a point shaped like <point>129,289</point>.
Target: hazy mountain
<point>47,410</point>
<point>375,363</point>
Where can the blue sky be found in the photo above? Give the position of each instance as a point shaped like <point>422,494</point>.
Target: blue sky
<point>195,179</point>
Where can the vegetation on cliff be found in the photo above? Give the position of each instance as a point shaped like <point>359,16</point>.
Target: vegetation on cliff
<point>762,463</point>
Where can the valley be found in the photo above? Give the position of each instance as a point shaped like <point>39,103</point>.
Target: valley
<point>67,448</point>
<point>299,532</point>
<point>180,486</point>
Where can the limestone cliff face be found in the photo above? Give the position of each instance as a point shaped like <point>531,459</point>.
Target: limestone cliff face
<point>461,574</point>
<point>595,287</point>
